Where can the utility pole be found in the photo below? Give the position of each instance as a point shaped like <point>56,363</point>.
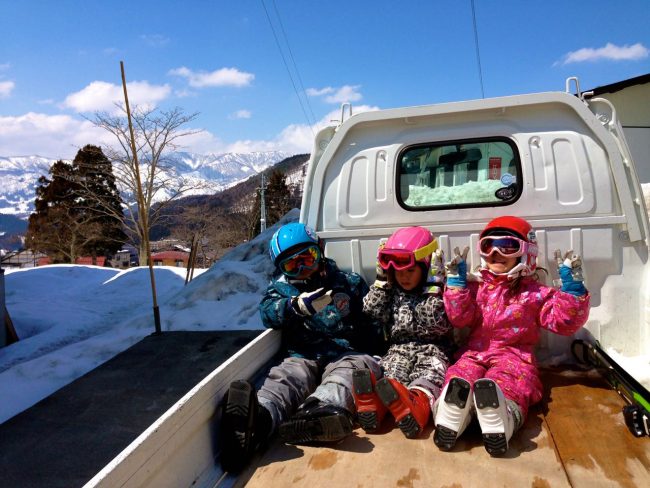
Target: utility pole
<point>262,205</point>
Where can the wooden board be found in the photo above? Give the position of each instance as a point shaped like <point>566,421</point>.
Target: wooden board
<point>586,421</point>
<point>575,437</point>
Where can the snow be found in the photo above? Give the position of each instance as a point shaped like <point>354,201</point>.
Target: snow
<point>470,192</point>
<point>72,318</point>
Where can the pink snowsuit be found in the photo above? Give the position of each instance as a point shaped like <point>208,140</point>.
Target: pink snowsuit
<point>505,330</point>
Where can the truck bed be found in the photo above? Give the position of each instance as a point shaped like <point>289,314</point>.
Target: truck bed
<point>576,437</point>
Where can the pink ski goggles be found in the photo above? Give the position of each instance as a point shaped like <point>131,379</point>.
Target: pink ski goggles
<point>401,259</point>
<point>507,246</point>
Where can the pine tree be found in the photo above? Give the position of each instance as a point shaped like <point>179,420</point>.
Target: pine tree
<point>98,196</point>
<point>51,226</point>
<point>70,218</point>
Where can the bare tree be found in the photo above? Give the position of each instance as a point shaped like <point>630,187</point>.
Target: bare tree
<point>155,134</point>
<point>64,234</point>
<point>210,232</point>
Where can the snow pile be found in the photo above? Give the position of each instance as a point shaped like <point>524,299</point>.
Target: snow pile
<point>72,318</point>
<point>470,192</point>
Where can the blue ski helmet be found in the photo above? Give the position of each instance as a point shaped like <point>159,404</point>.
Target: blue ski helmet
<point>289,237</point>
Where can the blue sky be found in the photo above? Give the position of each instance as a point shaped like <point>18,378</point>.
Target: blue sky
<point>59,62</point>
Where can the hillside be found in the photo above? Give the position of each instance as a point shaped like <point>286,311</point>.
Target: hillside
<point>225,180</point>
<point>237,199</point>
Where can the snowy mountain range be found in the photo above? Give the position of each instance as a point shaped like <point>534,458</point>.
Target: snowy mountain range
<point>209,173</point>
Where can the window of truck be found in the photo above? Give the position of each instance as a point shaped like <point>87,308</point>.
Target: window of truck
<point>466,173</point>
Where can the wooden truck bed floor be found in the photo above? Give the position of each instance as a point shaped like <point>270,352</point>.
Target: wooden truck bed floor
<point>576,437</point>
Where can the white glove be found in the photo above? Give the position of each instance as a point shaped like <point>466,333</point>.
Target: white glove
<point>457,269</point>
<point>570,271</point>
<point>311,302</point>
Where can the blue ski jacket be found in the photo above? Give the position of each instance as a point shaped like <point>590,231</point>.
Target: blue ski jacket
<point>340,327</point>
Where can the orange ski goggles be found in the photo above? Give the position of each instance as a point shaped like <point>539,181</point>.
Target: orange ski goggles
<point>306,259</point>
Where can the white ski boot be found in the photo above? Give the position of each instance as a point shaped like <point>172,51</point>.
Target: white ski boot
<point>496,419</point>
<point>453,413</point>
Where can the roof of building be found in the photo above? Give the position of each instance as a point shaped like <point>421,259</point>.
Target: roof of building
<point>177,255</point>
<point>99,260</point>
<point>619,85</point>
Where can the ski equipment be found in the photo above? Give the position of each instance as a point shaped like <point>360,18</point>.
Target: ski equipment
<point>406,247</point>
<point>637,411</point>
<point>370,409</point>
<point>410,407</point>
<point>291,238</point>
<point>496,420</point>
<point>521,230</point>
<point>317,421</point>
<point>453,413</point>
<point>307,258</point>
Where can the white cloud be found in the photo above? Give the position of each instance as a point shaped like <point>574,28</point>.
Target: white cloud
<point>53,136</point>
<point>6,88</point>
<point>295,138</point>
<point>184,93</point>
<point>61,136</point>
<point>100,95</point>
<point>155,40</point>
<point>241,114</point>
<point>317,92</point>
<point>346,93</point>
<point>610,52</point>
<point>220,77</point>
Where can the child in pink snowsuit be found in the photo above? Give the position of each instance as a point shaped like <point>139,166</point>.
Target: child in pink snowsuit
<point>496,373</point>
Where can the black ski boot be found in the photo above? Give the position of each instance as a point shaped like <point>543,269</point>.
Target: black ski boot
<point>244,426</point>
<point>316,421</point>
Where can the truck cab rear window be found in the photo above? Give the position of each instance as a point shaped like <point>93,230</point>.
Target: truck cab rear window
<point>466,173</point>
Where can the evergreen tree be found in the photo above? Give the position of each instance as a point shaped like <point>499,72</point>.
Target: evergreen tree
<point>99,197</point>
<point>70,218</point>
<point>52,226</point>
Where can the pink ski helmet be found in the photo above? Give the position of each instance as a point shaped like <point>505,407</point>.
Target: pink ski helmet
<point>406,247</point>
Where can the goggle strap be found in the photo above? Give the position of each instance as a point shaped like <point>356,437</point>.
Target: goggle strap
<point>430,248</point>
<point>317,254</point>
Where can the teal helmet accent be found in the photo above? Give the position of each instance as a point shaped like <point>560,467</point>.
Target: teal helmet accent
<point>290,238</point>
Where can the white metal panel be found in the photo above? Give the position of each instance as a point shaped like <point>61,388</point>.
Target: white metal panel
<point>180,448</point>
<point>579,191</point>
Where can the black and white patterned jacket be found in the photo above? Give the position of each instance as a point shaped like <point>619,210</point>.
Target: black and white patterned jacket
<point>410,317</point>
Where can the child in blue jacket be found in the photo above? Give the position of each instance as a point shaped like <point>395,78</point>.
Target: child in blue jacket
<point>308,396</point>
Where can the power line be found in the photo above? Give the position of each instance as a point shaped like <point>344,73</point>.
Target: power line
<point>478,53</point>
<point>277,42</point>
<point>293,61</point>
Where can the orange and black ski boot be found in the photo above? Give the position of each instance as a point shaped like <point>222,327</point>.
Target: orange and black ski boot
<point>370,409</point>
<point>410,408</point>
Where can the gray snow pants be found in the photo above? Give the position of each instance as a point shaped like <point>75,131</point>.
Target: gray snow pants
<point>290,383</point>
